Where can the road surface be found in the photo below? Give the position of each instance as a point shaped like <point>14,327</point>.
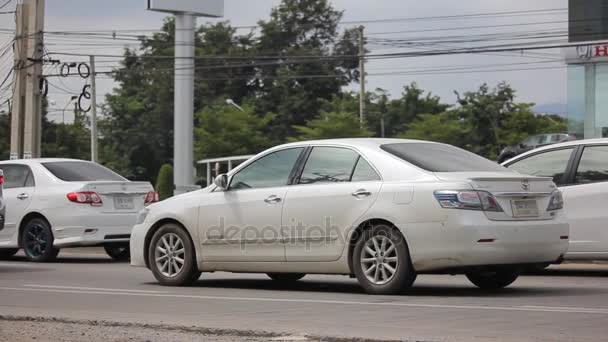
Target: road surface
<point>565,303</point>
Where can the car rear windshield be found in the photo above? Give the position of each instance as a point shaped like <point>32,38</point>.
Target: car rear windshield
<point>441,158</point>
<point>82,172</point>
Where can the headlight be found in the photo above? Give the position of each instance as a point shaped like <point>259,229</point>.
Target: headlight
<point>141,216</point>
<point>556,202</point>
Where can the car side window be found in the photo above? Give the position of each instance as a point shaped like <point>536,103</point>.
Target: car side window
<point>593,166</point>
<point>328,165</point>
<point>364,172</point>
<point>271,170</point>
<point>547,164</point>
<point>17,176</point>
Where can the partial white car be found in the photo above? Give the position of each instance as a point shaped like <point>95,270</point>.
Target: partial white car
<point>2,205</point>
<point>580,169</point>
<point>60,203</point>
<point>380,210</point>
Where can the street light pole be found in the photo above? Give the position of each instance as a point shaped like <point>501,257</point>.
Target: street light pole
<point>232,103</point>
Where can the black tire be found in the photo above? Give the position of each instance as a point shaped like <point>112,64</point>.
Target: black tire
<point>37,241</point>
<point>189,272</point>
<point>286,277</point>
<point>118,253</point>
<point>493,280</point>
<point>8,252</point>
<point>403,276</point>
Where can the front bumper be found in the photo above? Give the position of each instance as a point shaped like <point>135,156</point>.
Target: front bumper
<point>138,237</point>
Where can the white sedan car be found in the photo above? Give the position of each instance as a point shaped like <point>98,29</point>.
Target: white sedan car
<point>380,210</point>
<point>580,169</point>
<point>58,203</point>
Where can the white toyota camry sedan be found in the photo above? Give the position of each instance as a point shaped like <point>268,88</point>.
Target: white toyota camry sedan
<point>380,210</point>
<point>58,203</point>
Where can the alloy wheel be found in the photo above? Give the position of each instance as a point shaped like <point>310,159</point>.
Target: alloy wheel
<point>169,255</point>
<point>379,260</point>
<point>36,240</point>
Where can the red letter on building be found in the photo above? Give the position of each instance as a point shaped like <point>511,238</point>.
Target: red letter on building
<point>601,51</point>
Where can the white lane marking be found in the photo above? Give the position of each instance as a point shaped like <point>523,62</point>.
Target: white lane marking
<point>90,288</point>
<point>559,307</point>
<point>339,302</point>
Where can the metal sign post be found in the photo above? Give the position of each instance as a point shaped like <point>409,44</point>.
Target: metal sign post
<point>185,12</point>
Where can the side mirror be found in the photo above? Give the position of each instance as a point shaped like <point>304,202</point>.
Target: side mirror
<point>221,181</point>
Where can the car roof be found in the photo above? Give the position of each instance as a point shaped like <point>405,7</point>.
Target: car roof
<point>40,160</point>
<point>356,142</point>
<point>561,145</point>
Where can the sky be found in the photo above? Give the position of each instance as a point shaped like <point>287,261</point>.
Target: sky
<point>543,87</point>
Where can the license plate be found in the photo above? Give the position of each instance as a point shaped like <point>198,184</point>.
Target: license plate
<point>525,208</point>
<point>123,202</point>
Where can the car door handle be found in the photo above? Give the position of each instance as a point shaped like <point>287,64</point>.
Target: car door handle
<point>272,199</point>
<point>22,196</point>
<point>361,193</point>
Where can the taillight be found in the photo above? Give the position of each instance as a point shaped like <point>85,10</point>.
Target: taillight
<point>1,180</point>
<point>467,199</point>
<point>556,202</point>
<point>151,197</point>
<point>86,197</point>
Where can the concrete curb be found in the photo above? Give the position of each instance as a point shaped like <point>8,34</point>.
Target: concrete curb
<point>190,329</point>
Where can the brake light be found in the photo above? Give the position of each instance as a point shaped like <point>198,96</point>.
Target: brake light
<point>86,197</point>
<point>1,180</point>
<point>467,199</point>
<point>556,202</point>
<point>151,197</point>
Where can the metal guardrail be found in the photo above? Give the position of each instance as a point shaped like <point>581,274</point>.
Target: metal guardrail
<point>228,160</point>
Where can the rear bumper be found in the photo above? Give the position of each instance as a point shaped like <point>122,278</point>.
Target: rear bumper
<point>87,237</point>
<point>473,240</point>
<point>84,230</point>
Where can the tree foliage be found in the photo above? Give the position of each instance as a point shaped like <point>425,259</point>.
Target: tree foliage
<point>332,125</point>
<point>164,182</point>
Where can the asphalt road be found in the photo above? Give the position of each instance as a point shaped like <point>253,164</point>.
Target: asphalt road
<point>565,303</point>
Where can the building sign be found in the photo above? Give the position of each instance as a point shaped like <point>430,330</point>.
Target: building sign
<point>588,20</point>
<point>586,54</point>
<point>203,8</point>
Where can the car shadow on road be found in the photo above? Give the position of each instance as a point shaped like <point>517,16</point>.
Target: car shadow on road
<point>71,260</point>
<point>569,273</point>
<point>422,290</point>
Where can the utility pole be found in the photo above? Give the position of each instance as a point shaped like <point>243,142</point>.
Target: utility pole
<point>361,74</point>
<point>17,119</point>
<point>26,125</point>
<point>93,112</point>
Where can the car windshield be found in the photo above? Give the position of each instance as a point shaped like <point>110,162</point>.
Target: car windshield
<point>77,171</point>
<point>441,158</point>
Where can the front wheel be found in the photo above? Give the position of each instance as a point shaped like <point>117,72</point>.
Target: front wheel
<point>172,257</point>
<point>37,241</point>
<point>493,280</point>
<point>286,277</point>
<point>381,261</point>
<point>118,253</point>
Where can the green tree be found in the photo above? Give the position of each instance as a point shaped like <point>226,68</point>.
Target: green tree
<point>227,131</point>
<point>5,135</point>
<point>445,127</point>
<point>330,126</point>
<point>299,28</point>
<point>164,182</point>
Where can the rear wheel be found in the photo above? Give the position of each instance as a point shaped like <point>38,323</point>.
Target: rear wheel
<point>118,253</point>
<point>493,280</point>
<point>37,241</point>
<point>172,257</point>
<point>381,261</point>
<point>7,253</point>
<point>286,277</point>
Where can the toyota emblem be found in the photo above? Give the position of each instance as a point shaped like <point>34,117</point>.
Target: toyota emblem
<point>525,185</point>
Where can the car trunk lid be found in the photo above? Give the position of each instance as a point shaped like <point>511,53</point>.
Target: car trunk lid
<point>119,196</point>
<point>520,197</point>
